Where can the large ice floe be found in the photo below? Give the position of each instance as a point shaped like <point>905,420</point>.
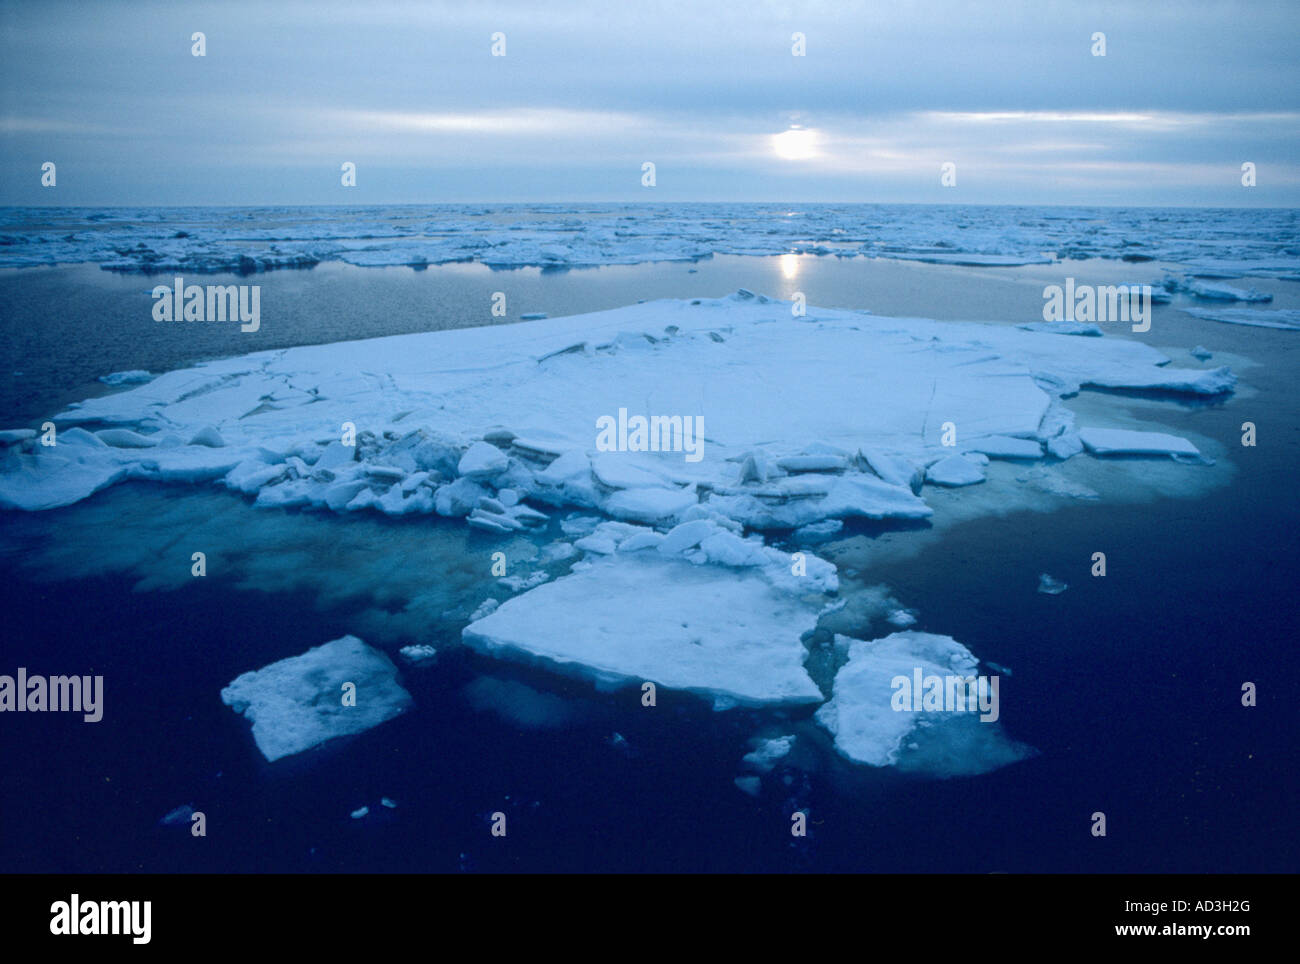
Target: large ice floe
<point>828,416</point>
<point>302,701</point>
<point>801,422</point>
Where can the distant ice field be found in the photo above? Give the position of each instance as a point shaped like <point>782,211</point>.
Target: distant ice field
<point>1213,243</point>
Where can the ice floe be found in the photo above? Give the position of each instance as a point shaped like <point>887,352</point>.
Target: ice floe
<point>496,424</point>
<point>869,726</point>
<point>1285,318</point>
<point>300,702</point>
<point>714,614</point>
<point>1114,441</point>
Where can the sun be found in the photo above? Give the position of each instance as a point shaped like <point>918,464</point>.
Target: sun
<point>796,144</point>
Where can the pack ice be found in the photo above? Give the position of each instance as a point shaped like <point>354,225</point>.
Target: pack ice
<point>297,703</point>
<point>805,421</point>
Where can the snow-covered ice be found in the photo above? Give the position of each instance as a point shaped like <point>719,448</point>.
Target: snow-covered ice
<point>1114,441</point>
<point>866,727</point>
<point>299,702</point>
<point>1226,244</point>
<point>853,446</point>
<point>720,615</point>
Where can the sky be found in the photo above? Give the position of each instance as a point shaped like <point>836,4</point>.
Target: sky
<point>885,94</point>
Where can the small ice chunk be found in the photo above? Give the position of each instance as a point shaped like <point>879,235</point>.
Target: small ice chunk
<point>336,454</point>
<point>750,785</point>
<point>767,753</point>
<point>418,654</point>
<point>811,463</point>
<point>652,505</point>
<point>1201,353</point>
<point>1002,447</point>
<point>1050,586</point>
<point>178,815</point>
<point>360,812</point>
<point>1217,291</point>
<point>954,471</point>
<point>1115,441</point>
<point>481,460</point>
<point>816,532</point>
<point>121,438</point>
<point>1064,328</point>
<point>209,436</point>
<point>486,607</point>
<point>688,535</point>
<point>297,703</point>
<point>135,376</point>
<point>901,618</point>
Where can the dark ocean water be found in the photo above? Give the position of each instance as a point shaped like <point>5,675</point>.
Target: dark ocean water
<point>1128,686</point>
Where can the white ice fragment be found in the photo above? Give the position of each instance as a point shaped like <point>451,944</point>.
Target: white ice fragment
<point>816,532</point>
<point>873,722</point>
<point>954,471</point>
<point>418,654</point>
<point>482,460</point>
<point>1217,291</point>
<point>900,618</point>
<point>715,631</point>
<point>298,702</point>
<point>1112,441</point>
<point>650,505</point>
<point>767,753</point>
<point>486,607</point>
<point>121,438</point>
<point>209,436</point>
<point>336,454</point>
<point>133,377</point>
<point>1051,586</point>
<point>685,536</point>
<point>1287,319</point>
<point>1064,328</point>
<point>1002,447</point>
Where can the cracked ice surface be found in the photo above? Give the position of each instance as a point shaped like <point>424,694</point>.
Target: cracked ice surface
<point>851,404</point>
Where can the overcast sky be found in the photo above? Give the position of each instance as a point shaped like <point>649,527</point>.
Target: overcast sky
<point>1008,91</point>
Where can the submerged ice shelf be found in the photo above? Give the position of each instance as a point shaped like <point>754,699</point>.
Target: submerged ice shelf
<point>803,422</point>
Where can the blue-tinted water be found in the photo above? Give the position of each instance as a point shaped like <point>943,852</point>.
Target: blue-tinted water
<point>1128,686</point>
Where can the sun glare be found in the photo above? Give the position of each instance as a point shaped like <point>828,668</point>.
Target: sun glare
<point>796,144</point>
